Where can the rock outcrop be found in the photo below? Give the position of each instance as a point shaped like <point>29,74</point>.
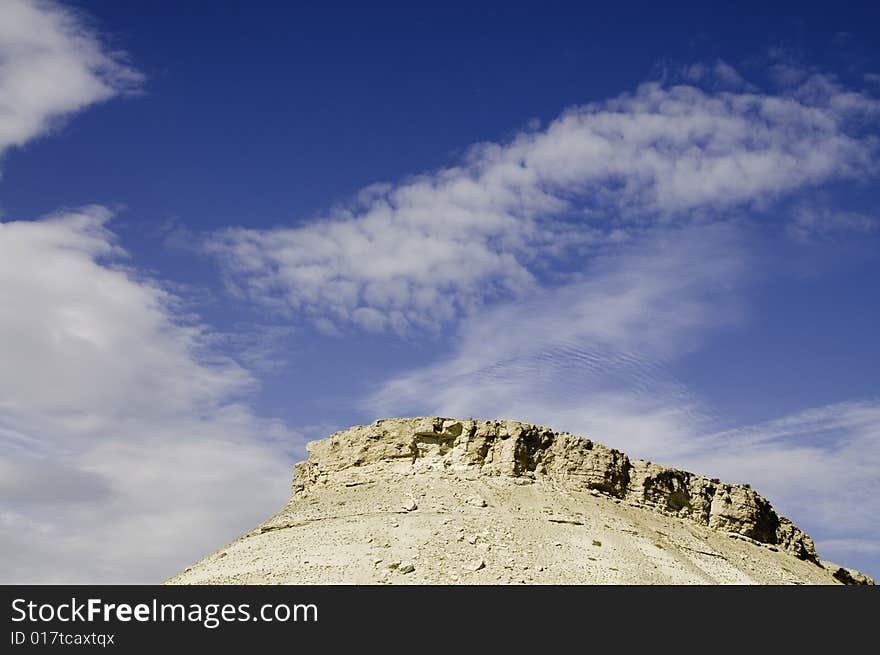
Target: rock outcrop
<point>439,500</point>
<point>847,576</point>
<point>513,449</point>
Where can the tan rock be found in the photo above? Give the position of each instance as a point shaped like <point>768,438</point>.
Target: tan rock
<point>524,488</point>
<point>847,576</point>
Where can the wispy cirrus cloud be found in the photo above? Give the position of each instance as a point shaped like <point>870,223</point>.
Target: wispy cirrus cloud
<point>810,223</point>
<point>52,64</point>
<point>822,463</point>
<point>819,465</point>
<point>127,446</point>
<point>432,248</point>
<point>594,355</point>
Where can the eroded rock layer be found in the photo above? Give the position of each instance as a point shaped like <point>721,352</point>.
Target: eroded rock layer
<point>446,501</point>
<point>514,449</point>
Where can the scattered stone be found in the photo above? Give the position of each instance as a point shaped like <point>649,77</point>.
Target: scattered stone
<point>476,501</point>
<point>411,506</point>
<point>562,519</point>
<point>406,568</point>
<point>477,565</point>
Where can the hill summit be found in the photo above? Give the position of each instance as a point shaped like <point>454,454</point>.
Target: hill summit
<point>435,500</point>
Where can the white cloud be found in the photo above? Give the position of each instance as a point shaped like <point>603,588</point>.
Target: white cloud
<point>811,222</point>
<point>52,63</point>
<point>437,246</point>
<point>718,73</point>
<point>591,356</point>
<point>127,449</point>
<point>851,546</point>
<point>820,464</point>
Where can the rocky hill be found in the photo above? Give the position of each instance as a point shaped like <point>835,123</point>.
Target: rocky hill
<point>436,501</point>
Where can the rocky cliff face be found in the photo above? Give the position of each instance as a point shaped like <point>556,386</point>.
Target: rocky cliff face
<point>445,501</point>
<point>513,449</point>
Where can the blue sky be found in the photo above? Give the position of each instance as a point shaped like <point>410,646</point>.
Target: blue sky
<point>228,228</point>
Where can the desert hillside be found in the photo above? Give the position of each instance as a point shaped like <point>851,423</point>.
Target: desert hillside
<point>446,501</point>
